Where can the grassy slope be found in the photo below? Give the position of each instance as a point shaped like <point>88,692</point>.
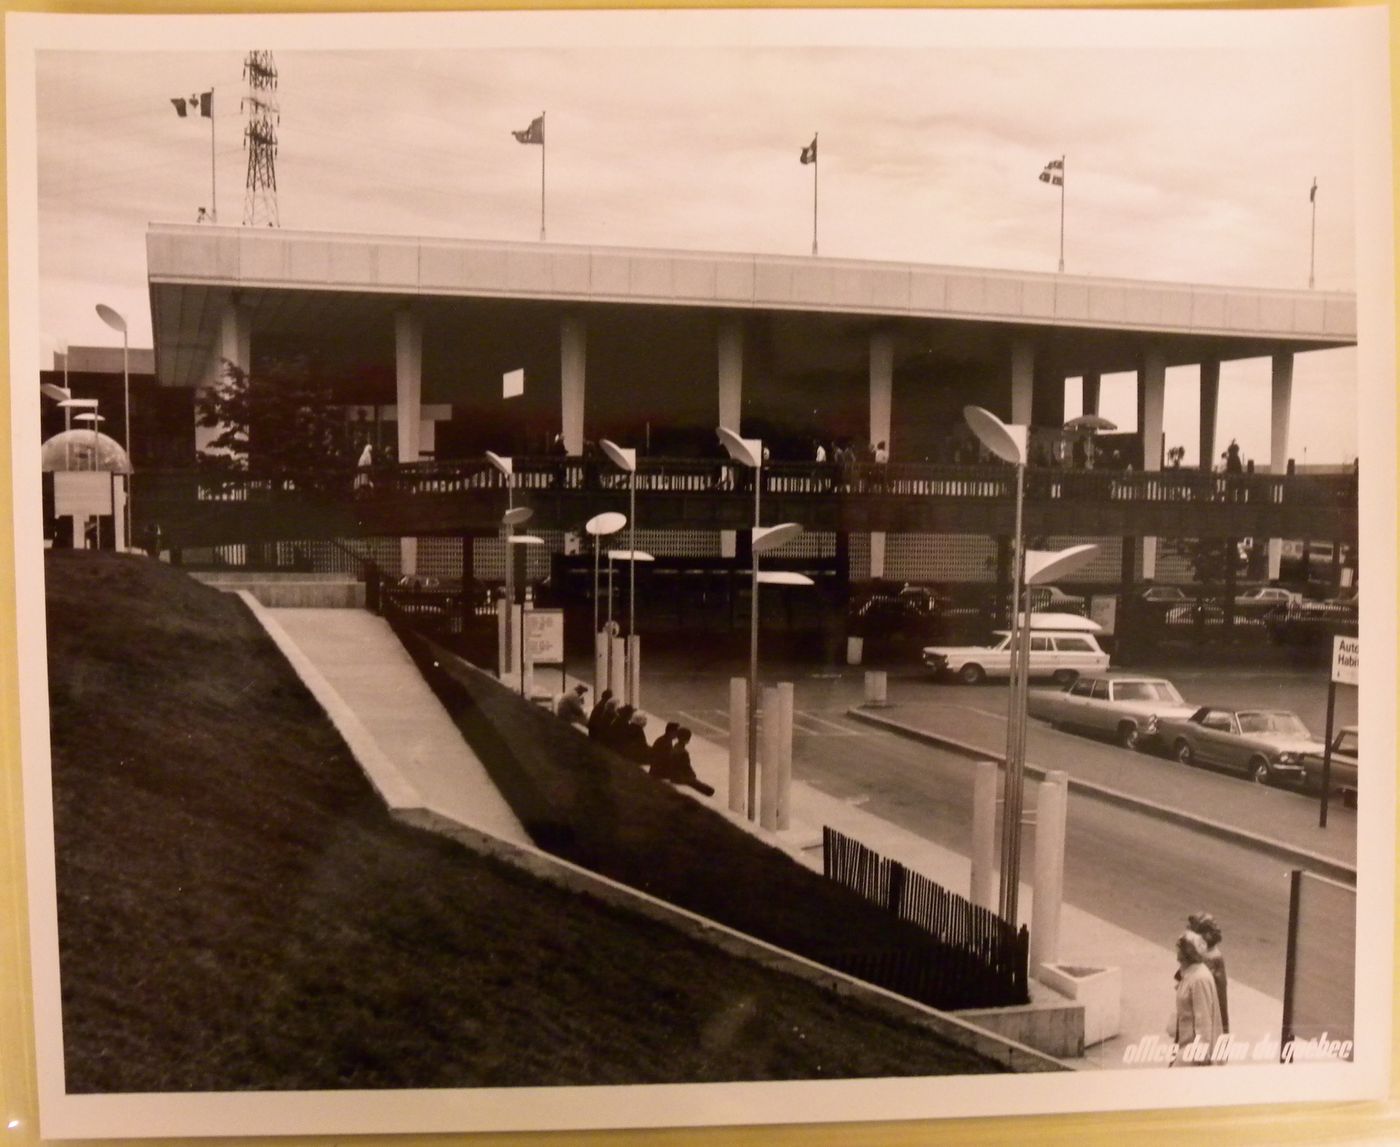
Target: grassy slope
<point>236,910</point>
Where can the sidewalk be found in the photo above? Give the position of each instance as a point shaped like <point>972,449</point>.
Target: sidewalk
<point>362,676</point>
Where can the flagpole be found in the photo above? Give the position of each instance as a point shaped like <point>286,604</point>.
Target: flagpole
<point>816,168</point>
<point>213,183</point>
<point>1312,241</point>
<point>544,143</point>
<point>1062,213</point>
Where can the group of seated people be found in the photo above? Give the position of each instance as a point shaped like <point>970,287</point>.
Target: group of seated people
<point>622,728</point>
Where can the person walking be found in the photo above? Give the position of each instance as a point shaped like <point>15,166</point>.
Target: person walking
<point>1204,925</point>
<point>1196,1023</point>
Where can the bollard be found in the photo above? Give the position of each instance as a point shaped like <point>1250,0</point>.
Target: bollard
<point>617,669</point>
<point>600,663</point>
<point>782,809</point>
<point>527,662</point>
<point>1047,895</point>
<point>984,830</point>
<point>770,733</point>
<point>738,745</point>
<point>502,638</point>
<point>875,688</point>
<point>855,646</point>
<point>634,670</point>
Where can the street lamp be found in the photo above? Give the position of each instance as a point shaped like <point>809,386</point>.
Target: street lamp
<point>625,458</point>
<point>95,418</point>
<point>511,517</point>
<point>117,323</point>
<point>601,526</point>
<point>1009,444</point>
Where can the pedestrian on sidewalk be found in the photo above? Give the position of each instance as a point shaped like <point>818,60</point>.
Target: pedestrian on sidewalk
<point>1196,1024</point>
<point>570,706</point>
<point>1204,925</point>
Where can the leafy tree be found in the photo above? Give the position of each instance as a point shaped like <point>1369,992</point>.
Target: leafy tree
<point>278,417</point>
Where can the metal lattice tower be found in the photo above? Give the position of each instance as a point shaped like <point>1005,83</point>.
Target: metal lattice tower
<point>260,140</point>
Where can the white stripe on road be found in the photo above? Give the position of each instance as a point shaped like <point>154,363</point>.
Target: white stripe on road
<point>835,729</point>
<point>721,729</point>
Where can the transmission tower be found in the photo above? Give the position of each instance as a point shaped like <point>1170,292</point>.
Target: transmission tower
<point>260,140</point>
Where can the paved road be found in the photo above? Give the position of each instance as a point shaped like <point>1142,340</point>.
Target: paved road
<point>1136,871</point>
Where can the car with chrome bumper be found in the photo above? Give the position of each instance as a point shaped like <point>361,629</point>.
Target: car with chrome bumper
<point>1269,745</point>
<point>1127,708</point>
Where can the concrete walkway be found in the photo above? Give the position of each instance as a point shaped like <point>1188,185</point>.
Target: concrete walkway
<point>362,676</point>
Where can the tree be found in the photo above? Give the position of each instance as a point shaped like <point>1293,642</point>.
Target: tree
<point>279,417</point>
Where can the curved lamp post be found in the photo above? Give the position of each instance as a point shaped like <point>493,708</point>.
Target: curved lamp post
<point>1029,568</point>
<point>601,526</point>
<point>522,513</point>
<point>625,458</point>
<point>514,516</point>
<point>114,320</point>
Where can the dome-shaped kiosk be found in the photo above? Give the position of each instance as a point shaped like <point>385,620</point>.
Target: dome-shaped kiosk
<point>76,450</point>
<point>88,473</point>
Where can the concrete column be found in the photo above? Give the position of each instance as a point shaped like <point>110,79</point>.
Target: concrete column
<point>235,346</point>
<point>782,811</point>
<point>408,380</point>
<point>730,349</point>
<point>1281,395</point>
<point>738,745</point>
<point>1047,893</point>
<point>881,404</point>
<point>1152,395</point>
<point>984,833</point>
<point>573,365</point>
<point>770,731</point>
<point>1022,381</point>
<point>1090,387</point>
<point>1210,406</point>
<point>877,555</point>
<point>617,668</point>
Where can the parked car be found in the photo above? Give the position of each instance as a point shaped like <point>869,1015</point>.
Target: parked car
<point>1343,776</point>
<point>1052,599</point>
<point>1257,602</point>
<point>1062,646</point>
<point>1165,595</point>
<point>1127,708</point>
<point>1268,744</point>
<point>912,613</point>
<point>1189,612</point>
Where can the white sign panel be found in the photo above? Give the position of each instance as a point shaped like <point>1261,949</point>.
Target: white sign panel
<point>1346,660</point>
<point>1103,608</point>
<point>82,494</point>
<point>544,636</point>
<point>513,384</point>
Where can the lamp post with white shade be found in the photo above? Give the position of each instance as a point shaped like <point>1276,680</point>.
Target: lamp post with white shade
<point>625,458</point>
<point>601,526</point>
<point>114,320</point>
<point>1008,442</point>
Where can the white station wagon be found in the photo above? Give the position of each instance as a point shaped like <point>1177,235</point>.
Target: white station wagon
<point>1062,646</point>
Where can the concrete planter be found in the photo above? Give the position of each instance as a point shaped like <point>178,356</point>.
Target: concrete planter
<point>1100,990</point>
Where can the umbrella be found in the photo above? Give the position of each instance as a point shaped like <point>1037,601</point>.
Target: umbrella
<point>1090,422</point>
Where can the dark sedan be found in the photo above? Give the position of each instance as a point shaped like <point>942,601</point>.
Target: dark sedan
<point>1268,744</point>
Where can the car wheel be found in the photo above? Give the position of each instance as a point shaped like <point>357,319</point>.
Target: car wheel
<point>971,674</point>
<point>1259,771</point>
<point>1129,736</point>
<point>1182,751</point>
<point>1066,676</point>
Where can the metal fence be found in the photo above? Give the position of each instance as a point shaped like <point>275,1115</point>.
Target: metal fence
<point>974,957</point>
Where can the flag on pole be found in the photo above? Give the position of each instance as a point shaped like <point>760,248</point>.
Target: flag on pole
<point>809,153</point>
<point>532,134</point>
<point>203,102</point>
<point>1312,195</point>
<point>1054,173</point>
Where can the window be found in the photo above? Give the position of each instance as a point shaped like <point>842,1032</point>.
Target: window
<point>1346,743</point>
<point>1074,645</point>
<point>1082,687</point>
<point>1101,690</point>
<point>1040,645</point>
<point>1219,721</point>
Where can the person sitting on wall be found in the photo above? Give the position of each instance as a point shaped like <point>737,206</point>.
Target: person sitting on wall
<point>677,769</point>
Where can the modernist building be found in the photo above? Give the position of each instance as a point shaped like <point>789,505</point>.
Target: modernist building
<point>657,348</point>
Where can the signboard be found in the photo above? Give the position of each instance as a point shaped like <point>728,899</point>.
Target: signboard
<point>1346,660</point>
<point>544,636</point>
<point>513,384</point>
<point>82,494</point>
<point>1103,608</point>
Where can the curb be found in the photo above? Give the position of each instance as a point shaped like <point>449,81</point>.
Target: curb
<point>1315,862</point>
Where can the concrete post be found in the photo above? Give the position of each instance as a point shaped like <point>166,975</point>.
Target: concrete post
<point>1022,381</point>
<point>502,638</point>
<point>1210,405</point>
<point>527,662</point>
<point>408,377</point>
<point>634,670</point>
<point>573,369</point>
<point>983,891</point>
<point>730,351</point>
<point>1048,892</point>
<point>1281,402</point>
<point>782,809</point>
<point>876,686</point>
<point>881,407</point>
<point>738,745</point>
<point>877,555</point>
<point>601,677</point>
<point>770,745</point>
<point>617,668</point>
<point>1152,391</point>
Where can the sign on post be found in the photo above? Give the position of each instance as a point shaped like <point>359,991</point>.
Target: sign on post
<point>1346,660</point>
<point>544,636</point>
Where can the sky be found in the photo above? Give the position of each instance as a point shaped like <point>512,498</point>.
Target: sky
<point>1190,150</point>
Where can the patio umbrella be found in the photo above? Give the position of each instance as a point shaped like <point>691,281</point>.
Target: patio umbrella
<point>1090,422</point>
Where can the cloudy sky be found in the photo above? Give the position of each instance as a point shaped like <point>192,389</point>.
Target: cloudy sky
<point>1191,143</point>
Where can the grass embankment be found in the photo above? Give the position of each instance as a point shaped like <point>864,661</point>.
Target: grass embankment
<point>237,911</point>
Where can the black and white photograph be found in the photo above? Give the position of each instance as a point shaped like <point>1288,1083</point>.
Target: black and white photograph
<point>616,569</point>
